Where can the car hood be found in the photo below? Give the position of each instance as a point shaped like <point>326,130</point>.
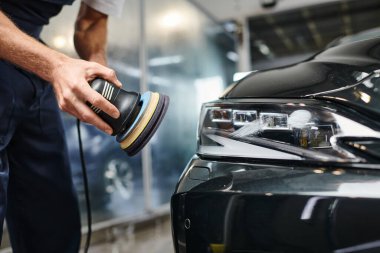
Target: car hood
<point>335,68</point>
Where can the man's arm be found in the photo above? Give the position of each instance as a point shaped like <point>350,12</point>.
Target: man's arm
<point>90,37</point>
<point>68,76</point>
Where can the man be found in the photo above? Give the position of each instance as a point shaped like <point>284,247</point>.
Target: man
<point>36,191</point>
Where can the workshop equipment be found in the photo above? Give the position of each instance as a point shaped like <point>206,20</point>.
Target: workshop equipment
<point>140,114</point>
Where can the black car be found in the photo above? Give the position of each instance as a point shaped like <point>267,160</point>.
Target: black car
<point>288,160</point>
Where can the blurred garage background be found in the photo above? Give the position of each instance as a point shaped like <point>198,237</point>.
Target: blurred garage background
<point>190,50</point>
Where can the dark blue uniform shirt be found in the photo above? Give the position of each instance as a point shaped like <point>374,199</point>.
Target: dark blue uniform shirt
<point>31,15</point>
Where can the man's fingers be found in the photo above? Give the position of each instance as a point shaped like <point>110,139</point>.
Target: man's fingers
<point>105,73</point>
<point>99,101</point>
<point>85,114</point>
<point>80,110</point>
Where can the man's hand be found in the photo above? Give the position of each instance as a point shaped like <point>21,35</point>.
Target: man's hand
<point>70,81</point>
<point>68,76</point>
<point>90,39</point>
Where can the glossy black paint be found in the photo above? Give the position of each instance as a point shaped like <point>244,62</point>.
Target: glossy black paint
<point>238,222</point>
<point>240,207</point>
<point>335,68</point>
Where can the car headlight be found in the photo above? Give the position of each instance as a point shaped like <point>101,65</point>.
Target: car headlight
<point>279,129</point>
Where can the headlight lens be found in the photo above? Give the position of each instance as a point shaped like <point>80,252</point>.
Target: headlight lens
<point>277,130</point>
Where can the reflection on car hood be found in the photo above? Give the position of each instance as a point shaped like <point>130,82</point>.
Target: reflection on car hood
<point>332,69</point>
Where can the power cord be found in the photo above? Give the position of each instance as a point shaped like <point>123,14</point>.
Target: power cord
<point>86,191</point>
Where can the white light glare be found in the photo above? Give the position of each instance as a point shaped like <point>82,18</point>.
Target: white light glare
<point>240,75</point>
<point>299,118</point>
<point>264,49</point>
<point>59,42</point>
<point>172,19</point>
<point>233,148</point>
<point>365,188</point>
<point>208,88</point>
<point>365,97</point>
<point>350,127</point>
<point>166,60</point>
<point>232,56</point>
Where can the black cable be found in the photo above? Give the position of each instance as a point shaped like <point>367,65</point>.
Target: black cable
<point>86,191</point>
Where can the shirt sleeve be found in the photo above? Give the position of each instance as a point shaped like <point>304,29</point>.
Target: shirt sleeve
<point>108,7</point>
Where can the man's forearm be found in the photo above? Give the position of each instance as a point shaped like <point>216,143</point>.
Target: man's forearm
<point>26,52</point>
<point>90,35</point>
<point>68,76</point>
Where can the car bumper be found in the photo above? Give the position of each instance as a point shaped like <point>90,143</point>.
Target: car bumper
<point>245,207</point>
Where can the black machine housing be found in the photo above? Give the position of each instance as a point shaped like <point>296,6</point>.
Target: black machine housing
<point>127,102</point>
